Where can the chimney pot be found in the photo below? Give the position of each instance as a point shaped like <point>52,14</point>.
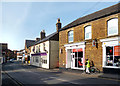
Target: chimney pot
<point>58,24</point>
<point>37,39</point>
<point>42,34</point>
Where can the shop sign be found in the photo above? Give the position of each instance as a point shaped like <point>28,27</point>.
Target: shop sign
<point>117,51</point>
<point>77,50</point>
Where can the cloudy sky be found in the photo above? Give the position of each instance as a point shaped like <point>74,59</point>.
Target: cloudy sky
<point>25,20</point>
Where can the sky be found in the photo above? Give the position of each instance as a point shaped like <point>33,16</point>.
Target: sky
<point>24,20</point>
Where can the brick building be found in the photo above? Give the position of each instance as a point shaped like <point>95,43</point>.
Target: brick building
<point>10,54</point>
<point>28,44</point>
<point>96,37</point>
<point>15,54</point>
<point>3,51</point>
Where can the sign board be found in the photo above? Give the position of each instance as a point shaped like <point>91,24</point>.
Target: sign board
<point>77,50</point>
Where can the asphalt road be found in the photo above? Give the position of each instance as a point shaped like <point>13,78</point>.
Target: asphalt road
<point>8,81</point>
<point>27,75</point>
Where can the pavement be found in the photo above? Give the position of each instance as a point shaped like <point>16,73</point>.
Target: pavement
<point>80,72</point>
<point>97,75</point>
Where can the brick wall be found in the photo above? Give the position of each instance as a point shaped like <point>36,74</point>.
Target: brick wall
<point>99,31</point>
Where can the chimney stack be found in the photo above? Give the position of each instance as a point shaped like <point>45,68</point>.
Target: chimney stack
<point>42,34</point>
<point>58,24</point>
<point>37,39</point>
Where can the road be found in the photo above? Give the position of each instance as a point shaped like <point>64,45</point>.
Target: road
<point>26,75</point>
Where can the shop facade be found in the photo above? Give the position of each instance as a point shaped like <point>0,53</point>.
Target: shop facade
<point>40,55</point>
<point>95,37</point>
<point>111,54</point>
<point>75,57</point>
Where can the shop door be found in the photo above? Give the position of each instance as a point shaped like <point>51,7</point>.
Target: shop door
<point>77,58</point>
<point>72,60</point>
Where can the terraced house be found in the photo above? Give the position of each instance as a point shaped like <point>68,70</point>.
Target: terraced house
<point>45,52</point>
<point>96,37</point>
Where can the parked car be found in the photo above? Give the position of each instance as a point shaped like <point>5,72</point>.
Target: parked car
<point>11,60</point>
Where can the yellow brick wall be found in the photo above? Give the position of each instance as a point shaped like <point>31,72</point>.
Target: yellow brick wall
<point>99,31</point>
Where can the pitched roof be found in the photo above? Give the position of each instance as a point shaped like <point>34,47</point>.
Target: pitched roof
<point>49,37</point>
<point>29,43</point>
<point>97,15</point>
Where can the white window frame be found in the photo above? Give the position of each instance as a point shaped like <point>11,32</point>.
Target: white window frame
<point>88,30</point>
<point>112,25</point>
<point>70,36</point>
<point>109,42</point>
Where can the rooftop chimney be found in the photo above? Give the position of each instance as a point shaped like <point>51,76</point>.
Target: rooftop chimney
<point>58,24</point>
<point>42,34</point>
<point>37,39</point>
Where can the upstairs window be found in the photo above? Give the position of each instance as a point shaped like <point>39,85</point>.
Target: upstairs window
<point>88,32</point>
<point>112,27</point>
<point>70,36</point>
<point>37,49</point>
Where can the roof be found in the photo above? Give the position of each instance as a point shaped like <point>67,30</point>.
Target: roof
<point>53,36</point>
<point>97,15</point>
<point>30,43</point>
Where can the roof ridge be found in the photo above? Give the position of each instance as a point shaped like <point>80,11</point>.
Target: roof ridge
<point>98,14</point>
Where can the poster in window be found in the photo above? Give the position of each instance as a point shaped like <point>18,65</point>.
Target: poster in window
<point>117,50</point>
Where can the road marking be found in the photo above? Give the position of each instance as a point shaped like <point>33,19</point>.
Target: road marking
<point>60,79</point>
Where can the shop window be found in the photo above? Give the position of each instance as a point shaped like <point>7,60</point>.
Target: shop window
<point>112,27</point>
<point>37,59</point>
<point>88,32</point>
<point>70,36</point>
<point>113,56</point>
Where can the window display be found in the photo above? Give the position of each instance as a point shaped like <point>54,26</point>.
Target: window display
<point>37,59</point>
<point>113,56</point>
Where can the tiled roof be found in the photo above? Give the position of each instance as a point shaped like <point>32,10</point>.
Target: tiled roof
<point>49,37</point>
<point>97,15</point>
<point>30,43</point>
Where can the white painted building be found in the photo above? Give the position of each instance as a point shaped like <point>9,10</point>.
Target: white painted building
<point>45,52</point>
